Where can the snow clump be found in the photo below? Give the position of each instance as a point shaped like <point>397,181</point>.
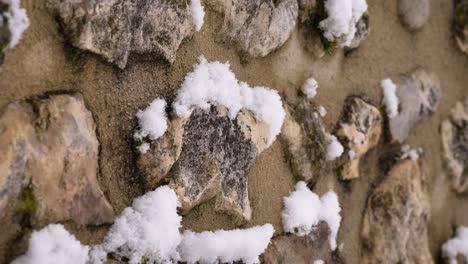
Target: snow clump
<point>334,148</point>
<point>198,13</point>
<point>457,245</point>
<point>390,99</point>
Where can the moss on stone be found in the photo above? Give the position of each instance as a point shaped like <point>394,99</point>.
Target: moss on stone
<point>27,200</point>
<point>460,17</point>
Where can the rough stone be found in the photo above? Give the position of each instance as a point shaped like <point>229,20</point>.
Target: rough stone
<point>394,228</point>
<point>362,32</point>
<point>361,126</point>
<point>208,155</point>
<point>460,24</point>
<point>418,93</point>
<point>116,29</point>
<point>301,249</point>
<point>305,144</point>
<point>49,161</point>
<point>414,13</point>
<point>258,27</point>
<point>455,144</point>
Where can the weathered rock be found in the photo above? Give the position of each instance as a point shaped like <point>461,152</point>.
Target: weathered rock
<point>4,31</point>
<point>361,126</point>
<point>208,155</point>
<point>301,249</point>
<point>115,29</point>
<point>414,13</point>
<point>418,93</point>
<point>258,27</point>
<point>455,144</point>
<point>362,32</point>
<point>49,161</point>
<point>460,24</point>
<point>394,228</point>
<point>304,136</point>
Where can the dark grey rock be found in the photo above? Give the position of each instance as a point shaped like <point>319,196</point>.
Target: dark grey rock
<point>258,27</point>
<point>116,29</point>
<point>454,133</point>
<point>418,94</point>
<point>414,13</point>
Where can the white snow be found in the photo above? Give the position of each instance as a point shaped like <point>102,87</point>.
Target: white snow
<point>343,15</point>
<point>152,121</point>
<point>150,229</point>
<point>412,153</point>
<point>318,261</point>
<point>226,246</point>
<point>198,13</point>
<point>214,82</point>
<point>53,245</point>
<point>310,88</point>
<point>334,148</point>
<point>18,21</point>
<point>351,154</point>
<point>322,111</point>
<point>303,210</point>
<point>144,147</point>
<point>457,245</point>
<point>390,99</point>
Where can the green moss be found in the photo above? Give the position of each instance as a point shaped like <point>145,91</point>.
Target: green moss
<point>28,203</point>
<point>460,17</point>
<point>76,53</point>
<point>301,93</point>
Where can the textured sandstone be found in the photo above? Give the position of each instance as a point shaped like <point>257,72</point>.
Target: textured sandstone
<point>361,126</point>
<point>414,13</point>
<point>394,228</point>
<point>418,93</point>
<point>304,135</point>
<point>455,145</point>
<point>50,148</point>
<point>258,27</point>
<point>116,29</point>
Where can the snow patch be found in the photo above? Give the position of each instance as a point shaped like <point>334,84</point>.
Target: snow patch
<point>318,261</point>
<point>152,123</point>
<point>343,15</point>
<point>18,21</point>
<point>310,88</point>
<point>143,148</point>
<point>334,148</point>
<point>412,153</point>
<point>226,246</point>
<point>303,210</point>
<point>54,245</point>
<point>214,82</point>
<point>149,229</point>
<point>390,99</point>
<point>322,111</point>
<point>457,245</point>
<point>198,13</point>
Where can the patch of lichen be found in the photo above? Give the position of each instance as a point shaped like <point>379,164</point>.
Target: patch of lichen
<point>27,201</point>
<point>460,17</point>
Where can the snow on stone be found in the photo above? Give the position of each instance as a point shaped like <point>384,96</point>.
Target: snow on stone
<point>390,99</point>
<point>54,245</point>
<point>351,154</point>
<point>457,245</point>
<point>318,261</point>
<point>343,15</point>
<point>18,21</point>
<point>322,111</point>
<point>303,210</point>
<point>215,83</point>
<point>310,88</point>
<point>149,229</point>
<point>334,148</point>
<point>198,13</point>
<point>152,121</point>
<point>244,245</point>
<point>412,153</point>
<point>143,148</point>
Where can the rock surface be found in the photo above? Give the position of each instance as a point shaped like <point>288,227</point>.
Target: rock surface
<point>304,136</point>
<point>301,249</point>
<point>460,25</point>
<point>116,29</point>
<point>4,31</point>
<point>455,144</point>
<point>418,93</point>
<point>394,228</point>
<point>49,161</point>
<point>208,155</point>
<point>258,27</point>
<point>414,13</point>
<point>361,126</point>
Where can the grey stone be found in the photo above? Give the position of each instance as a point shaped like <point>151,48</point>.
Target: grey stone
<point>361,127</point>
<point>418,94</point>
<point>304,136</point>
<point>394,228</point>
<point>49,152</point>
<point>362,32</point>
<point>454,132</point>
<point>460,24</point>
<point>115,29</point>
<point>414,13</point>
<point>258,27</point>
